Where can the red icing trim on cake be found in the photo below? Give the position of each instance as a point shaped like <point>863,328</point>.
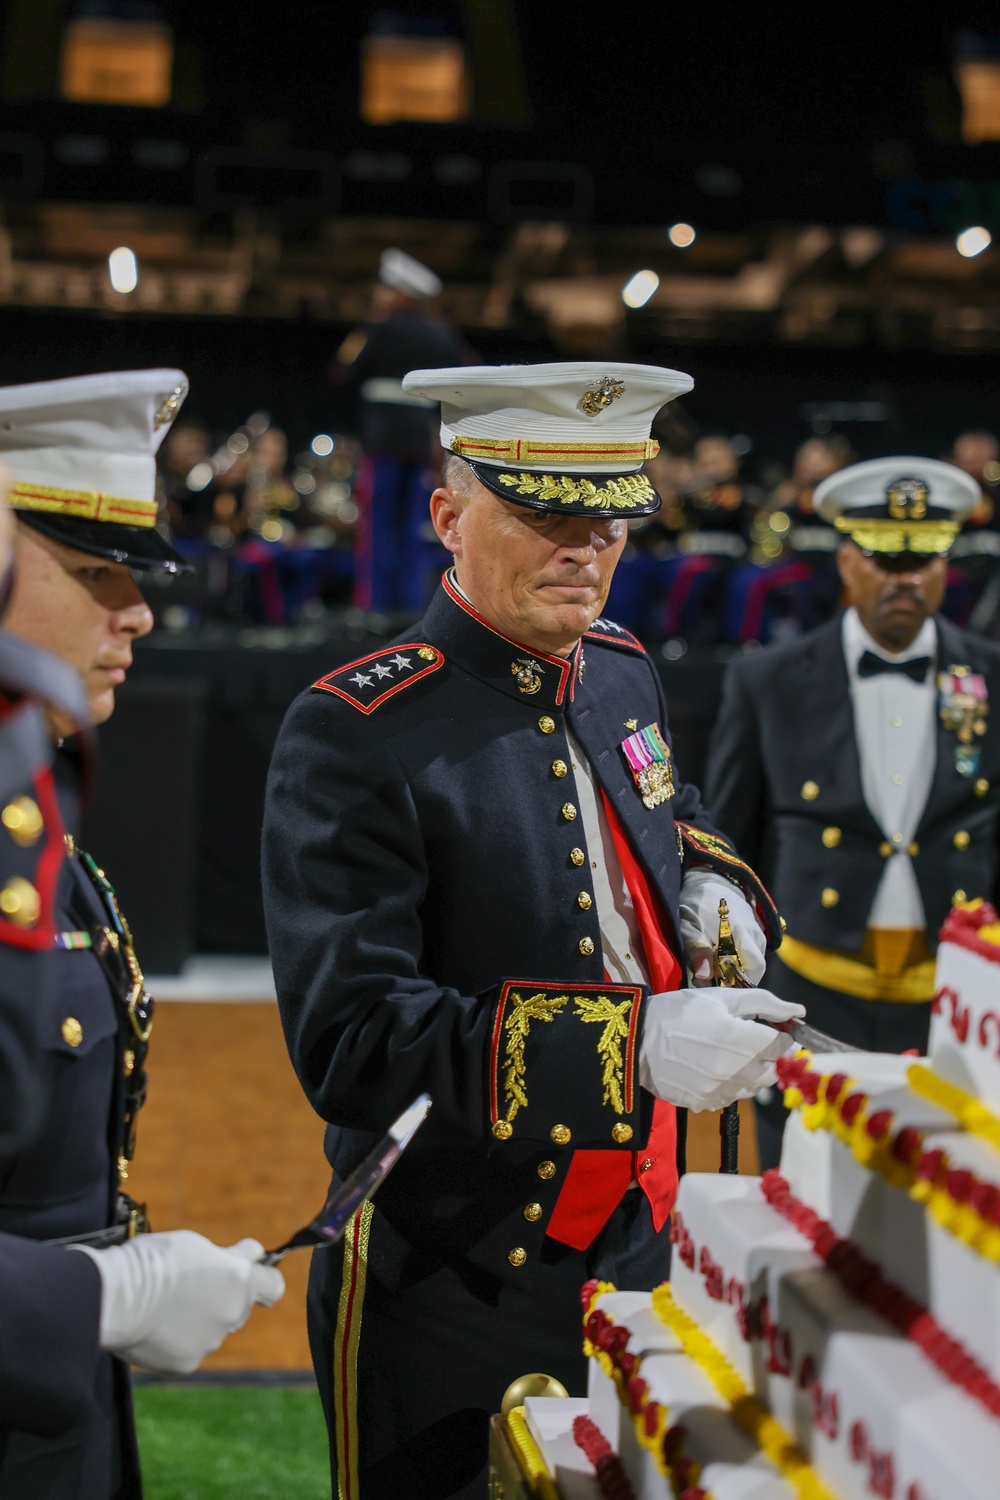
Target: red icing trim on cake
<point>863,1280</point>
<point>962,926</point>
<point>611,1478</point>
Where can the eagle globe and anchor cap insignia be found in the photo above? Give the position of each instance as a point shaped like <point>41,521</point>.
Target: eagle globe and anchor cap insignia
<point>597,397</point>
<point>907,498</point>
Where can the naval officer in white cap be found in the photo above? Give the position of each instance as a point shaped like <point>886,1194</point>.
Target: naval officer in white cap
<point>485,877</point>
<point>396,555</point>
<point>82,456</point>
<point>860,766</point>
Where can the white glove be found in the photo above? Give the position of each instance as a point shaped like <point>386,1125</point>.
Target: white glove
<point>702,1048</point>
<point>169,1299</point>
<point>701,892</point>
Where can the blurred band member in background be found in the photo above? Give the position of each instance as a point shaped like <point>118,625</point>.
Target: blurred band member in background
<point>397,554</point>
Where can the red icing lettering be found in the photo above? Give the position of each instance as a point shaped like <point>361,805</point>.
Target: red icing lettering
<point>680,1236</point>
<point>882,1475</point>
<point>712,1272</point>
<point>947,1003</point>
<point>857,1442</point>
<point>988,1020</point>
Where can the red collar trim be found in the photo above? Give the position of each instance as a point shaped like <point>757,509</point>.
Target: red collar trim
<point>567,665</point>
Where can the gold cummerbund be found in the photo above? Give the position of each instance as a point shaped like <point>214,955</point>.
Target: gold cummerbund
<point>894,964</point>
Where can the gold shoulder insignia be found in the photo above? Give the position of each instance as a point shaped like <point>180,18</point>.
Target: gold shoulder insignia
<point>369,682</point>
<point>613,634</point>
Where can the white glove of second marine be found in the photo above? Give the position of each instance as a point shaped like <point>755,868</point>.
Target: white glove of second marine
<point>168,1300</point>
<point>701,892</point>
<point>703,1048</point>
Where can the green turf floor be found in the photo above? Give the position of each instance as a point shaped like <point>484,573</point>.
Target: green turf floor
<point>203,1442</point>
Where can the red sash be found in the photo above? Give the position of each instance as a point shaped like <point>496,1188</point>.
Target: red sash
<point>597,1180</point>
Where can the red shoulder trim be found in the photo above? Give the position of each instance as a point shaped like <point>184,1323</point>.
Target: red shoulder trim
<point>613,634</point>
<point>367,683</point>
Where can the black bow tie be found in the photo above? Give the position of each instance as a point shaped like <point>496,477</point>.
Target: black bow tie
<point>871,665</point>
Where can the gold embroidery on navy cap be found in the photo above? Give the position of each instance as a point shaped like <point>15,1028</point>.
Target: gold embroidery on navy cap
<point>601,395</point>
<point>907,498</point>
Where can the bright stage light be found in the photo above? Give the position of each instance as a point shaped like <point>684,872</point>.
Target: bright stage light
<point>637,291</point>
<point>123,268</point>
<point>681,235</point>
<point>973,241</point>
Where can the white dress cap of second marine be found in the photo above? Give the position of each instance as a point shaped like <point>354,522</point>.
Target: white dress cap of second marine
<point>569,437</point>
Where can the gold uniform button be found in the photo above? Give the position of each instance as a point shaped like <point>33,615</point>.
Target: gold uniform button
<point>646,1164</point>
<point>20,902</point>
<point>503,1130</point>
<point>621,1133</point>
<point>577,856</point>
<point>958,897</point>
<point>568,811</point>
<point>961,839</point>
<point>981,787</point>
<point>810,791</point>
<point>586,946</point>
<point>546,1169</point>
<point>831,837</point>
<point>426,654</point>
<point>23,821</point>
<point>559,768</point>
<point>585,901</point>
<point>913,849</point>
<point>532,1212</point>
<point>897,838</point>
<point>546,725</point>
<point>561,1135</point>
<point>830,897</point>
<point>517,1256</point>
<point>885,849</point>
<point>72,1032</point>
<point>128,1062</point>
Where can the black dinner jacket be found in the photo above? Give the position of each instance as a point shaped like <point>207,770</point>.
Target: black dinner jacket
<point>425,874</point>
<point>787,721</point>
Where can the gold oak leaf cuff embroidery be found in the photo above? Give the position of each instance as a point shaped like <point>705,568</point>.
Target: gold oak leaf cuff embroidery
<point>624,493</point>
<point>616,1020</point>
<point>517,1027</point>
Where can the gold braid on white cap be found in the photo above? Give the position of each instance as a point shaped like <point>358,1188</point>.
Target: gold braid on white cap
<point>82,505</point>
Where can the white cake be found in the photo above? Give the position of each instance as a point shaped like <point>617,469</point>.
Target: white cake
<point>831,1331</point>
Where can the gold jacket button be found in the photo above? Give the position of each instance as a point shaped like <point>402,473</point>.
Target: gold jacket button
<point>830,897</point>
<point>810,791</point>
<point>885,849</point>
<point>961,839</point>
<point>20,902</point>
<point>546,725</point>
<point>561,1135</point>
<point>831,837</point>
<point>546,1169</point>
<point>577,856</point>
<point>23,821</point>
<point>72,1032</point>
<point>517,1256</point>
<point>586,946</point>
<point>913,849</point>
<point>958,897</point>
<point>426,654</point>
<point>621,1133</point>
<point>503,1130</point>
<point>568,811</point>
<point>532,1212</point>
<point>559,768</point>
<point>646,1164</point>
<point>981,787</point>
<point>585,900</point>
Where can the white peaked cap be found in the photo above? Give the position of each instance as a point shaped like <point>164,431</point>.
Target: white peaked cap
<point>399,270</point>
<point>585,416</point>
<point>898,504</point>
<point>93,435</point>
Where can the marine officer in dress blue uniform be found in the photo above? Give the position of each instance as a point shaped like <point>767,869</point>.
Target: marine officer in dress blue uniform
<point>397,555</point>
<point>858,767</point>
<point>485,877</point>
<point>82,456</point>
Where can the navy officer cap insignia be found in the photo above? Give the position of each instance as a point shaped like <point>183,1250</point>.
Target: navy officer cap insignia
<point>898,507</point>
<point>368,683</point>
<point>570,438</point>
